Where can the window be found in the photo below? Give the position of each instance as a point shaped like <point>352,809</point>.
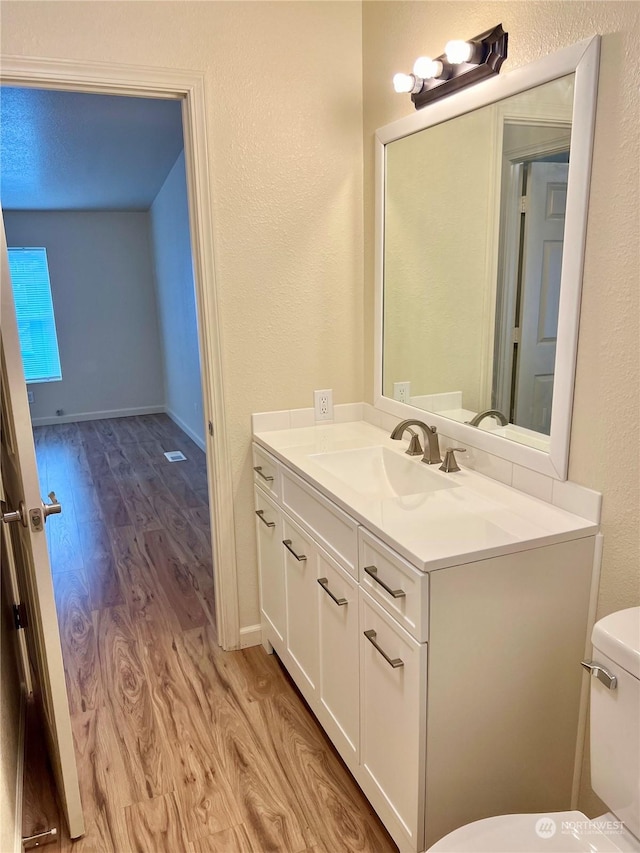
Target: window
<point>34,312</point>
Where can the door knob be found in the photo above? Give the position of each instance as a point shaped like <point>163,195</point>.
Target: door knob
<point>53,508</point>
<point>19,514</point>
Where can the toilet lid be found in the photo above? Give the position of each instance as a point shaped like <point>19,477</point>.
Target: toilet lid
<point>557,832</point>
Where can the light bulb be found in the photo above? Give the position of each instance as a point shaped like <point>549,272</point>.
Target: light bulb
<point>427,68</point>
<point>458,51</point>
<point>405,83</point>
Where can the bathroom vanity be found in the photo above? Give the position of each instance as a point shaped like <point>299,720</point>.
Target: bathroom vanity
<point>433,622</point>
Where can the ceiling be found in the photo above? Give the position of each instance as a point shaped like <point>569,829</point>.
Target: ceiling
<point>77,151</point>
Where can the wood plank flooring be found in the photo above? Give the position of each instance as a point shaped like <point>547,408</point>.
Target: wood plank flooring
<point>180,746</point>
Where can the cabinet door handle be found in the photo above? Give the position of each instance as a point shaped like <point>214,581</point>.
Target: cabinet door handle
<point>394,662</point>
<point>258,470</point>
<point>324,583</point>
<point>287,545</point>
<point>373,572</point>
<point>260,514</point>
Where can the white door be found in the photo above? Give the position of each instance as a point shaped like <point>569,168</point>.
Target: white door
<point>542,266</point>
<point>27,538</point>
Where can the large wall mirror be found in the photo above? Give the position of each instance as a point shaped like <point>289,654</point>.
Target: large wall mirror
<point>481,215</point>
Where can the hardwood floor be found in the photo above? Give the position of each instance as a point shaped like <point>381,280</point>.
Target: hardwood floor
<point>180,746</point>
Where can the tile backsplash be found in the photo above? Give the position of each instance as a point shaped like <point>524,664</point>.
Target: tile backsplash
<point>564,494</point>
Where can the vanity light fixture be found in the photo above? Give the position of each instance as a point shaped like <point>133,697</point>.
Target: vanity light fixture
<point>408,83</point>
<point>424,69</point>
<point>458,52</point>
<point>428,68</point>
<point>462,64</point>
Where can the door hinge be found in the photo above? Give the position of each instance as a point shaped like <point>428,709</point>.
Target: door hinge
<point>20,616</point>
<point>523,204</point>
<point>210,427</point>
<point>516,335</point>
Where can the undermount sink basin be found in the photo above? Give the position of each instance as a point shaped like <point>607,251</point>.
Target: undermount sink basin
<point>380,473</point>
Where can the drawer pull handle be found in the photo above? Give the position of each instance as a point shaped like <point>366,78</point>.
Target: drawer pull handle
<point>260,514</point>
<point>258,470</point>
<point>324,583</point>
<point>287,545</point>
<point>373,572</point>
<point>394,662</point>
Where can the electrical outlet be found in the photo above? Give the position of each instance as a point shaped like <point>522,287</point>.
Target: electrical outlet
<point>401,391</point>
<point>323,405</point>
<point>30,396</point>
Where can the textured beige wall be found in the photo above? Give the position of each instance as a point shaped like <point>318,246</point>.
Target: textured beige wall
<point>284,92</point>
<point>604,436</point>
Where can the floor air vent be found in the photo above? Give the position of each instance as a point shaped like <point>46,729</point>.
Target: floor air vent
<point>175,456</point>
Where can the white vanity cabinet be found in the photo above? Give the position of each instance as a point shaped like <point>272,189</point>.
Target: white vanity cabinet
<point>356,651</point>
<point>449,686</point>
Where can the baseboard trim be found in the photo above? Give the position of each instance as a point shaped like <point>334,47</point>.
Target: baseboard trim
<point>17,844</point>
<point>99,416</point>
<point>187,430</point>
<point>250,636</point>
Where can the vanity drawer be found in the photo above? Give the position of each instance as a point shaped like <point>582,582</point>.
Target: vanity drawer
<point>395,584</point>
<point>266,471</point>
<point>335,531</point>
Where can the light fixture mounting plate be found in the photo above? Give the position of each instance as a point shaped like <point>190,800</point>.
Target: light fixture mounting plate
<point>494,53</point>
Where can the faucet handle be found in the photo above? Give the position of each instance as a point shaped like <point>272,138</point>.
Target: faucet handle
<point>415,448</point>
<point>450,463</point>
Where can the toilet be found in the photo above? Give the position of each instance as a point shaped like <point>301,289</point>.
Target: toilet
<point>615,764</point>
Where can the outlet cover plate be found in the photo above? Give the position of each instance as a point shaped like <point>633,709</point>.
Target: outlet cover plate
<point>323,405</point>
<point>402,391</point>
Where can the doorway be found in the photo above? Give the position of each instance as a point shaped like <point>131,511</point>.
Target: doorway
<point>125,323</point>
<point>532,212</point>
<point>187,87</point>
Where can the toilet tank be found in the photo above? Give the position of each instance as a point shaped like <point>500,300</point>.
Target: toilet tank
<point>615,716</point>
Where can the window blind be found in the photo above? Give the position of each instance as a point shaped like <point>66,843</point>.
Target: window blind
<point>34,313</point>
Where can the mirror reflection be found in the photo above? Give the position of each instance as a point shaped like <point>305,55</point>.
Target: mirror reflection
<point>473,241</point>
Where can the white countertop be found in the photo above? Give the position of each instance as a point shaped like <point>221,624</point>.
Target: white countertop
<point>473,519</point>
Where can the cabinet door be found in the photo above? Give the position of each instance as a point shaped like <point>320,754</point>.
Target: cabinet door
<point>271,565</point>
<point>393,685</point>
<point>300,556</point>
<point>339,657</point>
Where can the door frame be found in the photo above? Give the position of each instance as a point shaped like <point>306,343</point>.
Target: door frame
<point>188,86</point>
<point>512,162</point>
